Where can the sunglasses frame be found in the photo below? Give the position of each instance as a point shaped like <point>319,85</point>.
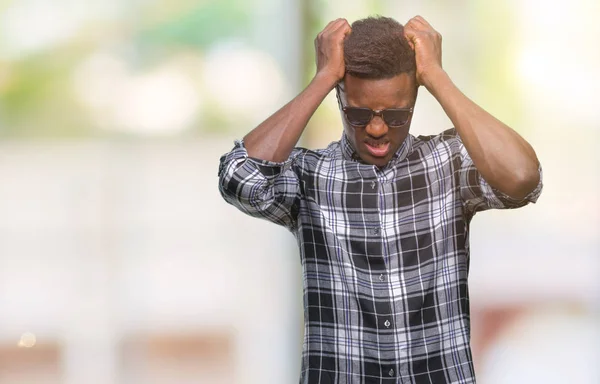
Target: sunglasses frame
<point>373,112</point>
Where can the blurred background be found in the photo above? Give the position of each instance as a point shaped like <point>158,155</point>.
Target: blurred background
<point>119,261</point>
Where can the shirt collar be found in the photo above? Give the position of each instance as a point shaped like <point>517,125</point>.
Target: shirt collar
<point>349,153</point>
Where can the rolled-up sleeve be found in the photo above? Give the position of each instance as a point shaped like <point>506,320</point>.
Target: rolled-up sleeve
<point>479,195</point>
<point>260,188</point>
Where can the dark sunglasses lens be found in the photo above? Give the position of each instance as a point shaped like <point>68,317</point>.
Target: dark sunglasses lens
<point>358,116</point>
<point>396,117</point>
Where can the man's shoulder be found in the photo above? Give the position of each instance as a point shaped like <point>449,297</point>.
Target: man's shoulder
<point>444,140</point>
<point>331,151</point>
<point>447,135</point>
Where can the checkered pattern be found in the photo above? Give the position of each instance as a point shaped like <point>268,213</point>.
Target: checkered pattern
<point>384,252</point>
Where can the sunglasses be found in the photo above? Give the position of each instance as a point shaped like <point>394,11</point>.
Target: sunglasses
<point>361,116</point>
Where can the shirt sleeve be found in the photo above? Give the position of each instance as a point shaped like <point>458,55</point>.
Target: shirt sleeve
<point>478,195</point>
<point>260,188</point>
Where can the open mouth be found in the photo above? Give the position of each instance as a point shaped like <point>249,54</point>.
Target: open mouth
<point>378,149</point>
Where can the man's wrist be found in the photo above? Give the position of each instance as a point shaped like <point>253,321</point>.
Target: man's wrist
<point>436,80</point>
<point>326,79</point>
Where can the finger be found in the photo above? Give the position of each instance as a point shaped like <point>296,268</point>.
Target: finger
<point>328,27</point>
<point>337,32</point>
<point>417,24</point>
<point>423,25</point>
<point>422,20</point>
<point>345,23</point>
<point>347,31</point>
<point>332,28</point>
<point>410,30</point>
<point>337,23</point>
<point>341,27</point>
<point>410,34</point>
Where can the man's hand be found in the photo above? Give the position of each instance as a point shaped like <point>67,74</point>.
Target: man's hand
<point>329,47</point>
<point>427,43</point>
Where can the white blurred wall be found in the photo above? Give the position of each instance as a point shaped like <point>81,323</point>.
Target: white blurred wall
<point>101,242</point>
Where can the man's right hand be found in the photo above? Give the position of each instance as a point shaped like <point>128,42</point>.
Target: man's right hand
<point>329,47</point>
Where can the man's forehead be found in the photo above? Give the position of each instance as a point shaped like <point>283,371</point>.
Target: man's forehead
<point>403,80</point>
<point>400,88</point>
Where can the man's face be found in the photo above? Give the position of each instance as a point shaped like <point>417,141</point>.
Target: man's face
<point>376,143</point>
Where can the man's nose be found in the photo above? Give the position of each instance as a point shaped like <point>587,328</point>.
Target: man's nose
<point>376,127</point>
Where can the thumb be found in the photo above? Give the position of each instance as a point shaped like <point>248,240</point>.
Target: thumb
<point>410,36</point>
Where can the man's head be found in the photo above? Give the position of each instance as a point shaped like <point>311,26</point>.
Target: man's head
<point>380,74</point>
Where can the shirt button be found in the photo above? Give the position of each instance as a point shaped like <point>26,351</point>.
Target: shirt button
<point>382,277</point>
<point>391,372</point>
<point>373,184</point>
<point>387,323</point>
<point>376,231</point>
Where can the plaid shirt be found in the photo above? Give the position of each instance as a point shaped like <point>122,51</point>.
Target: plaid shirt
<point>384,252</point>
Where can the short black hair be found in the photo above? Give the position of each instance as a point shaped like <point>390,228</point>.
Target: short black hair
<point>377,49</point>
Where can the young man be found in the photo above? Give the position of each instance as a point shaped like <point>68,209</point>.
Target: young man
<point>382,217</point>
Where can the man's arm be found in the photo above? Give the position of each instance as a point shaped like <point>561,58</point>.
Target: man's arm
<point>274,139</point>
<point>502,157</point>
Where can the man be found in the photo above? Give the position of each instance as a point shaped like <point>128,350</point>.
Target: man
<point>382,217</point>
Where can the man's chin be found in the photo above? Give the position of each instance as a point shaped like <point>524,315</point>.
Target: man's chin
<point>376,161</point>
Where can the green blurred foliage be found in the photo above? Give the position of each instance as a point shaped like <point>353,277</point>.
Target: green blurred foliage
<point>36,96</point>
<point>198,26</point>
<point>36,99</point>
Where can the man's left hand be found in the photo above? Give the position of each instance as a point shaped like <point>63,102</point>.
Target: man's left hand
<point>427,44</point>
